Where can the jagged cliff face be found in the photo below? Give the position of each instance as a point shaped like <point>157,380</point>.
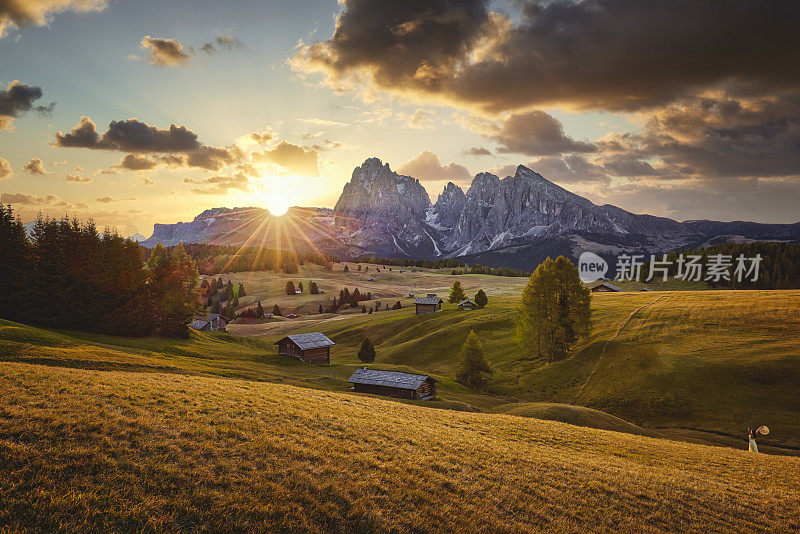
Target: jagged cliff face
<point>382,211</point>
<point>515,221</point>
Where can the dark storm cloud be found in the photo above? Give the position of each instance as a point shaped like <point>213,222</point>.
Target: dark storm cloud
<point>594,54</point>
<point>18,98</point>
<point>712,138</point>
<point>535,133</point>
<point>129,135</point>
<point>164,52</point>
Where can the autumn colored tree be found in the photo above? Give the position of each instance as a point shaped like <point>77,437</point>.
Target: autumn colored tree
<point>554,311</point>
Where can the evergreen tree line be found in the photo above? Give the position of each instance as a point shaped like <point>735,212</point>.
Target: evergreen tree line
<point>216,259</point>
<point>220,297</point>
<point>68,275</point>
<point>494,271</point>
<point>349,299</point>
<point>779,267</point>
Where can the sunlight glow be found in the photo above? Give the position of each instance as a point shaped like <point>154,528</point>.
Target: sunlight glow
<point>272,193</point>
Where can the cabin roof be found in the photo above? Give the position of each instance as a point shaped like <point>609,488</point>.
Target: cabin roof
<point>198,324</point>
<point>429,300</point>
<point>609,286</point>
<point>314,340</point>
<point>467,301</point>
<point>394,379</point>
<point>212,316</point>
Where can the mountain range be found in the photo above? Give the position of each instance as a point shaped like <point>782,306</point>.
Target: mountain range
<point>516,221</point>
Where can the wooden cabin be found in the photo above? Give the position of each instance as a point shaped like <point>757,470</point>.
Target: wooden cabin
<point>467,305</point>
<point>605,287</point>
<point>429,304</point>
<point>311,348</point>
<point>214,323</point>
<point>394,384</point>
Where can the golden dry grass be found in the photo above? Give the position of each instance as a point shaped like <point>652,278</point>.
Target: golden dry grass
<point>87,450</point>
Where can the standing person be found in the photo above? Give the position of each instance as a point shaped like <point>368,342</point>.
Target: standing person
<point>752,434</point>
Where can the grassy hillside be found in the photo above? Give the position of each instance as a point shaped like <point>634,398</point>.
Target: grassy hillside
<point>88,450</point>
<point>709,361</point>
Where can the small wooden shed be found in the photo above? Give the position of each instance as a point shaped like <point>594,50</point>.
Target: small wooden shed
<point>393,384</point>
<point>605,287</point>
<point>311,348</point>
<point>429,304</point>
<point>467,305</point>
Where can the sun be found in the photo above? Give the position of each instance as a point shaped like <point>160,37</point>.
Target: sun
<point>277,204</point>
<point>271,193</point>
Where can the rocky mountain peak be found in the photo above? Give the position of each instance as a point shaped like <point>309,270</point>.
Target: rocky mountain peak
<point>445,213</point>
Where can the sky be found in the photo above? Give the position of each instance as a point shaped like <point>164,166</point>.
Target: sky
<point>138,112</point>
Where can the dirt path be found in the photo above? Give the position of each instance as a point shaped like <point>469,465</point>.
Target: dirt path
<point>605,346</point>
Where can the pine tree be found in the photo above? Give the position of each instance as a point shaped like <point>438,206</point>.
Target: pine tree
<point>290,288</point>
<point>259,311</point>
<point>367,351</point>
<point>359,267</point>
<point>346,268</point>
<point>300,286</point>
<point>363,308</point>
<point>241,292</point>
<point>480,298</point>
<point>554,311</point>
<point>276,311</point>
<point>474,366</point>
<point>456,293</point>
<point>320,309</point>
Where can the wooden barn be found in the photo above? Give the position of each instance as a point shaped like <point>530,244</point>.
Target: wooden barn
<point>311,348</point>
<point>605,287</point>
<point>429,304</point>
<point>394,384</point>
<point>467,305</point>
<point>214,323</point>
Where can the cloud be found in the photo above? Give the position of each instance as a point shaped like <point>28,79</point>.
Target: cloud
<point>293,158</point>
<point>163,52</point>
<point>222,43</point>
<point>36,166</point>
<point>427,167</point>
<point>20,13</point>
<point>218,185</point>
<point>421,120</point>
<point>533,133</point>
<point>477,151</point>
<point>5,169</point>
<point>323,122</point>
<point>135,162</point>
<point>711,138</point>
<point>593,54</point>
<point>77,178</point>
<point>26,200</point>
<point>17,99</point>
<point>129,135</point>
<point>108,200</point>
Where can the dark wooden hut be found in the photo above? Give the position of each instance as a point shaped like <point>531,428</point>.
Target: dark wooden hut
<point>311,348</point>
<point>605,287</point>
<point>429,304</point>
<point>394,384</point>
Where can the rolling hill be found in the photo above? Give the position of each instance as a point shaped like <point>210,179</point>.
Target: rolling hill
<point>119,451</point>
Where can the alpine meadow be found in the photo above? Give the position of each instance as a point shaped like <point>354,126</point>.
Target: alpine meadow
<point>374,266</point>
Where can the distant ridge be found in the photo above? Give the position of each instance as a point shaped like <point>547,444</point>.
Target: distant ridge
<point>515,221</point>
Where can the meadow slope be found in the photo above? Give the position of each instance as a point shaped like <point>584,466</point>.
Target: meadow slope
<point>92,450</point>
